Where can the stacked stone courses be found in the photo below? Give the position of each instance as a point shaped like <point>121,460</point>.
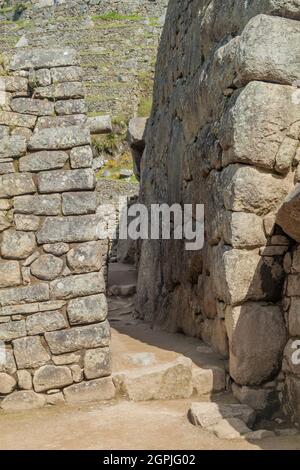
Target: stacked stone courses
<point>224,132</point>
<point>55,338</point>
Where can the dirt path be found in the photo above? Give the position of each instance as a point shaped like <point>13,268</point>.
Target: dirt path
<point>152,425</point>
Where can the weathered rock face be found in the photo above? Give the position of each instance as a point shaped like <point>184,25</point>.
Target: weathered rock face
<point>224,132</point>
<point>52,286</point>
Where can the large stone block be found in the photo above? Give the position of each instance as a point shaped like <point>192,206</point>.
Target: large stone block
<point>99,124</point>
<point>254,127</point>
<point>257,338</point>
<point>15,184</point>
<point>8,363</point>
<point>162,382</point>
<point>11,119</point>
<point>14,84</point>
<point>40,161</point>
<point>85,258</point>
<point>30,352</point>
<point>81,157</point>
<point>42,58</point>
<point>80,228</point>
<point>268,50</point>
<point>50,376</point>
<point>46,122</point>
<point>97,363</point>
<point>12,146</point>
<point>7,383</point>
<point>89,309</point>
<point>39,204</point>
<point>59,138</point>
<point>83,337</point>
<point>288,214</point>
<point>240,275</point>
<point>243,230</point>
<point>81,203</point>
<point>66,74</point>
<point>77,286</point>
<point>208,414</point>
<point>17,244</point>
<point>45,321</point>
<point>67,107</point>
<point>23,400</point>
<point>47,267</point>
<point>32,106</point>
<point>248,189</point>
<point>10,274</point>
<point>91,391</point>
<point>61,91</point>
<point>12,330</point>
<point>66,180</point>
<point>16,295</point>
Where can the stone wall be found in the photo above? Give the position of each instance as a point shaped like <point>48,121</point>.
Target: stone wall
<point>224,132</point>
<point>55,338</point>
<point>117,54</point>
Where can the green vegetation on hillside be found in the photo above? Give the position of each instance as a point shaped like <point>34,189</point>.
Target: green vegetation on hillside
<point>113,15</point>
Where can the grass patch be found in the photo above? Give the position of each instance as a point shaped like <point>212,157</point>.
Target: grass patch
<point>114,16</point>
<point>115,165</point>
<point>144,107</point>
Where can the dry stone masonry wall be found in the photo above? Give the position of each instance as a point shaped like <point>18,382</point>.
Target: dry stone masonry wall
<point>55,338</point>
<point>224,132</point>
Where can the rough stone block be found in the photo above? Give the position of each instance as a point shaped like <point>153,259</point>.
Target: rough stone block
<point>12,146</point>
<point>7,383</point>
<point>38,204</point>
<point>206,381</point>
<point>23,400</point>
<point>43,58</point>
<point>17,244</point>
<point>56,249</point>
<point>97,363</point>
<point>99,124</point>
<point>208,414</point>
<point>77,286</point>
<point>66,180</point>
<point>248,189</point>
<point>68,229</point>
<point>27,223</point>
<point>12,330</point>
<point>45,321</point>
<point>243,230</point>
<point>60,121</point>
<point>47,267</point>
<point>49,377</point>
<point>89,309</point>
<point>66,107</point>
<point>85,258</point>
<point>294,317</point>
<point>16,295</point>
<point>61,91</point>
<point>59,138</point>
<point>32,106</point>
<point>14,84</point>
<point>24,379</point>
<point>66,74</point>
<point>40,161</point>
<point>30,352</point>
<point>83,337</point>
<point>10,274</point>
<point>7,365</point>
<point>256,331</point>
<point>92,391</point>
<point>15,184</point>
<point>80,203</point>
<point>240,275</point>
<point>8,118</point>
<point>81,157</point>
<point>163,382</point>
<point>268,50</point>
